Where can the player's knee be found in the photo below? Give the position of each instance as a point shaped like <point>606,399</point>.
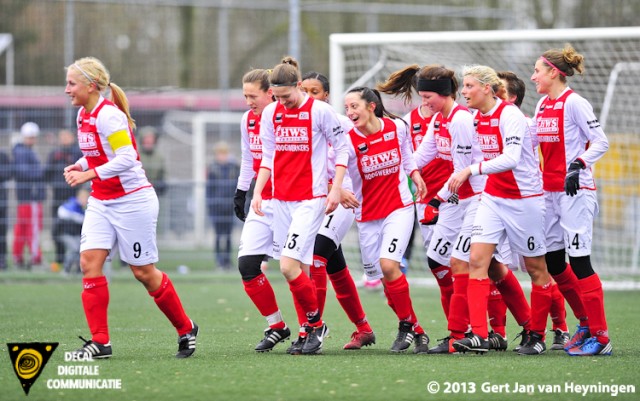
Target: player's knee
<point>581,266</point>
<point>249,266</point>
<point>337,262</point>
<point>433,264</point>
<point>556,262</point>
<point>324,247</point>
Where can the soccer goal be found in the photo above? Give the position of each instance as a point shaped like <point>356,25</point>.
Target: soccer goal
<point>611,83</point>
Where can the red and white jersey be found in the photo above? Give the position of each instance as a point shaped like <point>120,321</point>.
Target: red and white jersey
<point>109,148</point>
<point>379,165</point>
<point>251,150</point>
<point>347,125</point>
<point>438,170</point>
<point>295,146</point>
<point>452,139</point>
<point>505,140</point>
<point>568,130</point>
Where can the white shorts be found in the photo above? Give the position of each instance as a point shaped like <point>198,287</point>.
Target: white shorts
<point>336,225</point>
<point>569,221</point>
<point>257,235</point>
<point>519,220</point>
<point>384,238</point>
<point>445,233</point>
<point>128,222</point>
<point>462,244</point>
<point>426,231</point>
<point>295,226</point>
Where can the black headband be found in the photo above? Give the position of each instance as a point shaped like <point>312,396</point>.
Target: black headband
<point>443,86</point>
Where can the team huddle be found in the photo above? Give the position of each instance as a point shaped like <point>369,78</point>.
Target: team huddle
<point>492,189</point>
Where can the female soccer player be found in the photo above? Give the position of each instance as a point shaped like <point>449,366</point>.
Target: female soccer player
<point>328,258</point>
<point>434,174</point>
<point>513,91</point>
<point>571,141</point>
<point>256,240</point>
<point>296,132</point>
<point>122,209</point>
<point>379,162</point>
<point>512,200</point>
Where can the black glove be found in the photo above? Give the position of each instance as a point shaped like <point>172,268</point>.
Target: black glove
<point>572,180</point>
<point>431,212</point>
<point>454,199</point>
<point>239,200</point>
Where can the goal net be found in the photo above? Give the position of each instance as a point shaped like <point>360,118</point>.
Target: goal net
<point>611,83</point>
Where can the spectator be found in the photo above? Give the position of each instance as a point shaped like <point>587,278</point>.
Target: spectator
<point>152,161</point>
<point>30,192</point>
<point>6,173</point>
<point>65,154</point>
<point>71,216</point>
<point>221,185</point>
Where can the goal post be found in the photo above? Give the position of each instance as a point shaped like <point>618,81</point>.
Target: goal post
<point>611,83</point>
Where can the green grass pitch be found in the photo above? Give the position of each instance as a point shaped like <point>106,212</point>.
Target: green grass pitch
<point>47,308</point>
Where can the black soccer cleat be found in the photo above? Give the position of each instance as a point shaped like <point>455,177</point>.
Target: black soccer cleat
<point>296,346</point>
<point>472,343</point>
<point>422,344</point>
<point>404,339</point>
<point>524,339</point>
<point>187,342</point>
<point>93,350</point>
<point>535,345</point>
<point>497,342</point>
<point>315,339</point>
<point>272,337</point>
<point>560,339</point>
<point>444,347</point>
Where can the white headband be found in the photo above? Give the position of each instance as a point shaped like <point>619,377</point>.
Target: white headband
<point>84,73</point>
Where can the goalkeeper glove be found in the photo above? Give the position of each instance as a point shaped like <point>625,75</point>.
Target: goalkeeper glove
<point>239,200</point>
<point>572,180</point>
<point>431,212</point>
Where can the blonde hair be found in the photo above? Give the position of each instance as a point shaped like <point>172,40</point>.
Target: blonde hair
<point>485,75</point>
<point>94,72</point>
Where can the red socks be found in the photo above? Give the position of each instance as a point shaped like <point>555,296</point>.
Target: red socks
<point>398,293</point>
<point>571,290</point>
<point>445,282</point>
<point>349,299</point>
<point>594,303</point>
<point>95,301</point>
<point>497,310</point>
<point>540,306</point>
<point>169,303</point>
<point>458,319</point>
<point>261,294</point>
<point>514,298</point>
<point>319,277</point>
<point>558,311</point>
<point>304,294</point>
<point>478,298</point>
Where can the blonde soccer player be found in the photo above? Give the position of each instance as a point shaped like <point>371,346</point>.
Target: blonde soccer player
<point>122,210</point>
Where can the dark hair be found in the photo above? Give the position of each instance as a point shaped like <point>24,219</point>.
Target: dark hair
<point>316,75</point>
<point>373,96</point>
<point>401,82</point>
<point>257,75</point>
<point>286,73</point>
<point>515,85</point>
<point>411,77</point>
<point>566,60</point>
